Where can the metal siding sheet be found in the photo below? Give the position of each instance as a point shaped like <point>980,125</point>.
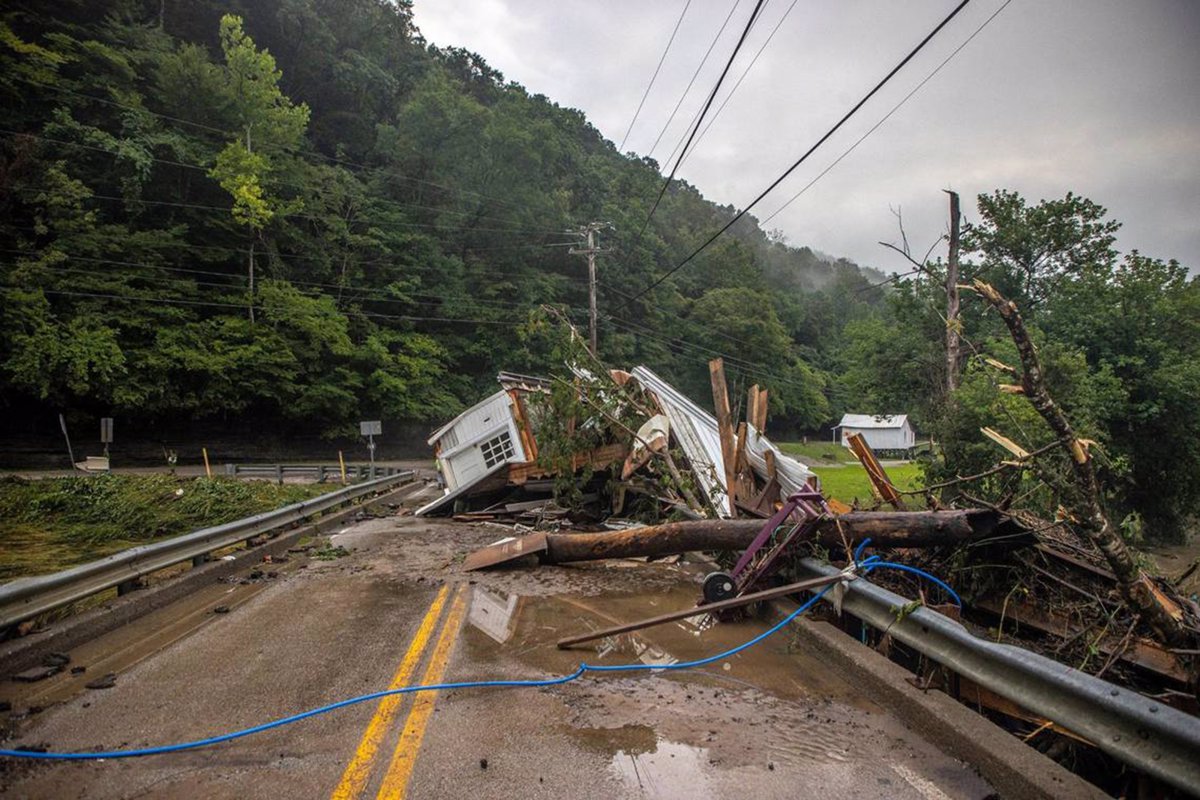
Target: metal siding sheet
<point>697,433</point>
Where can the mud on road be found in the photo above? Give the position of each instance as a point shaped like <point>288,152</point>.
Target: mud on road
<point>771,721</point>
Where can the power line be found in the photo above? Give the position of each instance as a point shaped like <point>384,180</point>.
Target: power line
<point>707,104</point>
<point>808,153</point>
<point>297,215</point>
<point>206,171</point>
<point>728,97</point>
<point>654,77</point>
<point>235,134</point>
<point>695,75</point>
<point>887,116</point>
<point>371,294</point>
<point>708,352</point>
<point>241,307</point>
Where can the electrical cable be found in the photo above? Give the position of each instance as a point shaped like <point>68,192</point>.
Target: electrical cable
<point>654,77</point>
<point>584,668</point>
<point>920,46</point>
<point>886,117</point>
<point>695,75</point>
<point>704,110</point>
<point>733,91</point>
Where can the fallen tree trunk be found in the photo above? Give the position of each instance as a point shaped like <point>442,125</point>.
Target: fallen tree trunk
<point>885,529</point>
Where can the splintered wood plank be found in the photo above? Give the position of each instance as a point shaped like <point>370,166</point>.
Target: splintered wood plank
<point>716,371</point>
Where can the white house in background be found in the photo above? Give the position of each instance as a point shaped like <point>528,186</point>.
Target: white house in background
<point>882,432</point>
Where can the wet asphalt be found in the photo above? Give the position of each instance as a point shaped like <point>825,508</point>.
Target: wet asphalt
<point>769,722</point>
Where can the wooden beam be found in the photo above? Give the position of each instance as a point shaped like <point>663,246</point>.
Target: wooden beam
<point>881,484</point>
<point>716,371</point>
<point>760,421</point>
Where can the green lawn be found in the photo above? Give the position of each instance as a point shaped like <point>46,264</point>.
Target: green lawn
<point>817,453</point>
<point>53,523</point>
<point>850,482</point>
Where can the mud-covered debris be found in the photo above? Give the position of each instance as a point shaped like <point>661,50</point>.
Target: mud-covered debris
<point>107,682</point>
<point>56,660</point>
<point>34,674</point>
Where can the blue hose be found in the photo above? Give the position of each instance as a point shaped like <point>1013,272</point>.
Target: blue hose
<point>870,563</point>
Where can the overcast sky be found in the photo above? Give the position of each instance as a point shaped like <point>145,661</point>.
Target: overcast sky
<point>1099,97</point>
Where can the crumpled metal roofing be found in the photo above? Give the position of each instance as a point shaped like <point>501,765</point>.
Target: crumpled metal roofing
<point>697,433</point>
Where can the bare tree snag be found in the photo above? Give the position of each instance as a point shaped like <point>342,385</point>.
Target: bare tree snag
<point>952,323</point>
<point>1087,515</point>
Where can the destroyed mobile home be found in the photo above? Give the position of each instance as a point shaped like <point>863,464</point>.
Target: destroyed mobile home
<point>648,473</point>
<point>489,454</point>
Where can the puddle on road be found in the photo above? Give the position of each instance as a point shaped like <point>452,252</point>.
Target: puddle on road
<point>651,766</point>
<point>526,629</point>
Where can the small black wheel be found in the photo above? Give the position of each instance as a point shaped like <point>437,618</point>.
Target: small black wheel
<point>718,586</point>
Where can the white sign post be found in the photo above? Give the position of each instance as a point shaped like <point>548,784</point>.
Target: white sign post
<point>371,429</point>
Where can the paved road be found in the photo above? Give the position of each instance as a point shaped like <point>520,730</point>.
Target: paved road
<point>766,723</point>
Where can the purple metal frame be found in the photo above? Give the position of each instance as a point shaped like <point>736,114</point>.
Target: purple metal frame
<point>811,506</point>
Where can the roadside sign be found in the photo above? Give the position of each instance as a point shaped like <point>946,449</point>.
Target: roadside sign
<point>106,435</point>
<point>371,428</point>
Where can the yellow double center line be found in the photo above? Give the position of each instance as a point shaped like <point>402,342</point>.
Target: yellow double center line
<point>358,772</point>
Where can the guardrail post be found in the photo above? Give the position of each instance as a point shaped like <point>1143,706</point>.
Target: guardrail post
<point>125,587</point>
<point>203,558</point>
<point>321,474</point>
<point>231,470</point>
<point>279,473</point>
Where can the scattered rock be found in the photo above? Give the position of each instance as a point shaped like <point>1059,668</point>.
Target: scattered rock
<point>272,574</point>
<point>255,574</point>
<point>78,670</point>
<point>107,682</point>
<point>221,610</point>
<point>483,763</point>
<point>56,660</point>
<point>36,674</point>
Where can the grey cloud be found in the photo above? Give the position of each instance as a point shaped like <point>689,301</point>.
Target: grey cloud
<point>1096,97</point>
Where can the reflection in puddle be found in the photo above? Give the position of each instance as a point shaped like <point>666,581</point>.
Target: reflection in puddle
<point>651,766</point>
<point>526,628</point>
<point>671,770</point>
<point>494,612</point>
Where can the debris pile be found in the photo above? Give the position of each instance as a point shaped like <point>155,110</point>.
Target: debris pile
<point>616,464</point>
<point>544,455</point>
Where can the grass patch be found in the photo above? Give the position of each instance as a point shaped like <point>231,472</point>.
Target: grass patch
<point>53,523</point>
<point>816,452</point>
<point>850,483</point>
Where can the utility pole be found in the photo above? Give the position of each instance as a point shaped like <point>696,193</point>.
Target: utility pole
<point>952,323</point>
<point>591,250</point>
<point>250,252</point>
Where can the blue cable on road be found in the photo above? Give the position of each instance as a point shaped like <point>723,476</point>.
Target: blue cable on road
<point>866,566</point>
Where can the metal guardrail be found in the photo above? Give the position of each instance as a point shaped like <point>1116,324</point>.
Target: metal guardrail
<point>1151,736</point>
<point>318,472</point>
<point>27,597</point>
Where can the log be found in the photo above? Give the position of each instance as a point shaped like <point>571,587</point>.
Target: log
<point>885,529</point>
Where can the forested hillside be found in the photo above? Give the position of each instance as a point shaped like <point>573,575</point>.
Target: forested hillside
<point>303,212</point>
